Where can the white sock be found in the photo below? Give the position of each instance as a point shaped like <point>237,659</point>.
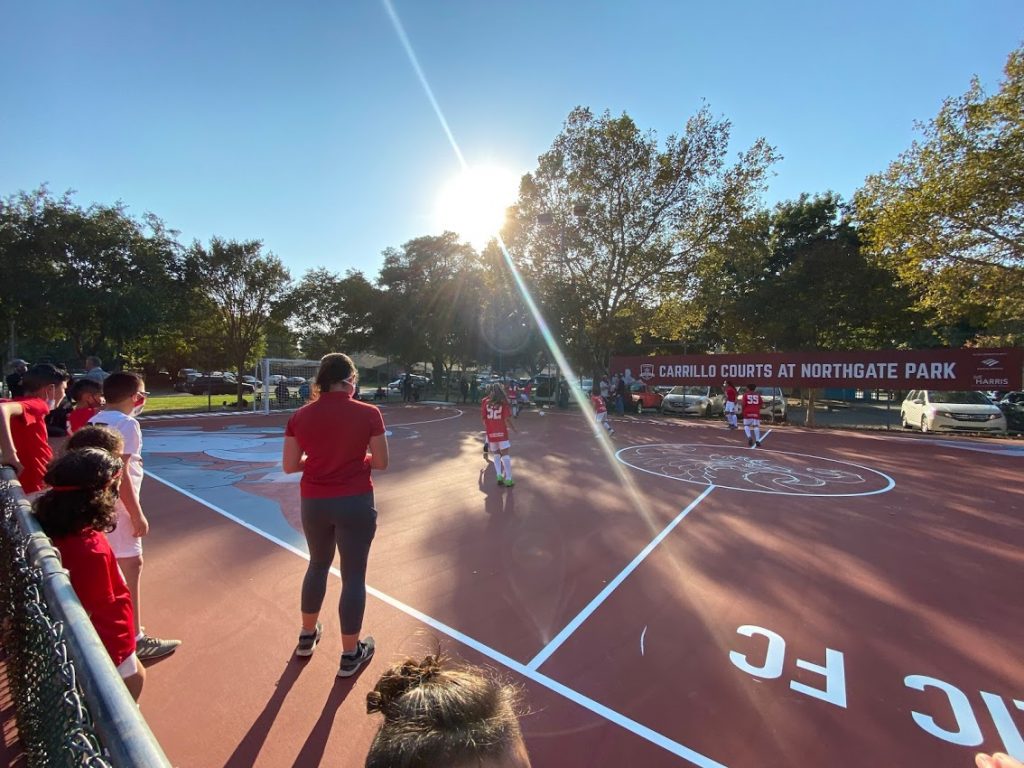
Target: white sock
<point>496,458</point>
<point>757,434</point>
<point>506,461</point>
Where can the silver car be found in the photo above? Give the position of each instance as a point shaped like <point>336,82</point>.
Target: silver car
<point>694,401</point>
<point>932,411</point>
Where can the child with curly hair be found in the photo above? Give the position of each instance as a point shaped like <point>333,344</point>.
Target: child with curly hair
<point>75,513</point>
<point>439,714</point>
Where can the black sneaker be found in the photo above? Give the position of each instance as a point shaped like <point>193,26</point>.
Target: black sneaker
<point>350,664</point>
<point>149,648</point>
<point>308,641</point>
<point>750,442</point>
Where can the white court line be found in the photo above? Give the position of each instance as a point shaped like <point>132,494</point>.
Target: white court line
<point>594,604</point>
<point>551,684</point>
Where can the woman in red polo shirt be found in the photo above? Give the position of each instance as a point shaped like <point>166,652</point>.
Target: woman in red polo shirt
<point>334,441</point>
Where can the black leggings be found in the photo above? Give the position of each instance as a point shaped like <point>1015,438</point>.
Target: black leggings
<point>347,523</point>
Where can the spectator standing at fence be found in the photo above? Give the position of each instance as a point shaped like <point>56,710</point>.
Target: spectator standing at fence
<point>125,398</point>
<point>94,369</point>
<point>335,441</point>
<point>304,391</point>
<point>464,389</point>
<point>407,388</point>
<point>751,404</point>
<point>18,369</point>
<point>282,394</point>
<point>75,512</point>
<point>87,396</point>
<point>474,390</point>
<point>621,394</point>
<point>730,404</point>
<point>24,443</point>
<point>438,714</point>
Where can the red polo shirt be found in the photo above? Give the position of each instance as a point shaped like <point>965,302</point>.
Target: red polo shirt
<point>79,417</point>
<point>28,432</point>
<point>334,432</point>
<point>100,587</point>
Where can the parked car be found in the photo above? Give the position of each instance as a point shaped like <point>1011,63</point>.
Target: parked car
<point>254,381</point>
<point>694,401</point>
<point>218,385</point>
<point>644,397</point>
<point>931,410</point>
<point>1012,406</point>
<point>773,404</point>
<point>185,378</point>
<point>417,381</point>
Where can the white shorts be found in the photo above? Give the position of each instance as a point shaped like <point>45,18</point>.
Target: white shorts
<point>601,416</point>
<point>524,399</point>
<point>504,445</point>
<point>128,667</point>
<point>751,422</point>
<point>121,539</point>
<point>730,406</point>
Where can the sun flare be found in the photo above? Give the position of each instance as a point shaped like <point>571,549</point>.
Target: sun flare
<point>473,204</point>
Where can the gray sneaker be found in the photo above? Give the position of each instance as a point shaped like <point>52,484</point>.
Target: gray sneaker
<point>149,648</point>
<point>350,664</point>
<point>308,641</point>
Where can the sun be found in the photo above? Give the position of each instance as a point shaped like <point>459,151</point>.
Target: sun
<point>473,204</point>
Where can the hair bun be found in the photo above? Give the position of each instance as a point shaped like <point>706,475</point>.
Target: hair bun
<point>399,680</point>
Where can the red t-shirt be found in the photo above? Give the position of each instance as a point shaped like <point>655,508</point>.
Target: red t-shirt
<point>334,432</point>
<point>101,590</point>
<point>730,394</point>
<point>751,405</point>
<point>495,420</point>
<point>28,432</point>
<point>79,417</point>
<point>599,404</point>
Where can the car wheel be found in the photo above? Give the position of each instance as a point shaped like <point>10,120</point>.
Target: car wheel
<point>639,408</point>
<point>903,420</point>
<point>924,425</point>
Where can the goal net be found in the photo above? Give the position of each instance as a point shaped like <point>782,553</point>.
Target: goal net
<point>284,384</point>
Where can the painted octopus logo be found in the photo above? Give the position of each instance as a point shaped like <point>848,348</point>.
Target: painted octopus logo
<point>761,471</point>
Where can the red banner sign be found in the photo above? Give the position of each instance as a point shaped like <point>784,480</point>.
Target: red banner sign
<point>948,369</point>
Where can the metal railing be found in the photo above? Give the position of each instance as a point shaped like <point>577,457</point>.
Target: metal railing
<point>71,706</point>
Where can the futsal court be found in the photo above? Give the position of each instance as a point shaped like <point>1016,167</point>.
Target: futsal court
<point>665,597</point>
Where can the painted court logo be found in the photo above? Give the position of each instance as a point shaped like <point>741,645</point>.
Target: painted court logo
<point>765,471</point>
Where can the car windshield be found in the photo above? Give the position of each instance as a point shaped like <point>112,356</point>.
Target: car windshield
<point>767,391</point>
<point>698,391</point>
<point>959,398</point>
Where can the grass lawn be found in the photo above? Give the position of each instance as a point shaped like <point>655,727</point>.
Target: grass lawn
<point>192,403</point>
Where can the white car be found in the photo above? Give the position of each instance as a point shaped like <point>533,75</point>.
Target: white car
<point>932,411</point>
<point>773,404</point>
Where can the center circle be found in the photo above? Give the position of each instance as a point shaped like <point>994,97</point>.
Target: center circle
<point>756,470</point>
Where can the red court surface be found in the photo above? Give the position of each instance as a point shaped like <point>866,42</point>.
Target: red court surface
<point>667,597</point>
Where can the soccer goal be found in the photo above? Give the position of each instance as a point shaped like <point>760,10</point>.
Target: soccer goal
<point>283,385</point>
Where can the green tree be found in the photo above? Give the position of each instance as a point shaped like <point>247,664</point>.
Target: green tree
<point>96,277</point>
<point>610,223</point>
<point>333,313</point>
<point>428,294</point>
<point>949,211</point>
<point>245,287</point>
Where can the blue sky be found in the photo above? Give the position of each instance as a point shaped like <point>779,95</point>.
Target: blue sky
<point>304,124</point>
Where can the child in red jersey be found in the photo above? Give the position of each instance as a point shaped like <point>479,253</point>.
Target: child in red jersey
<point>600,410</point>
<point>75,512</point>
<point>24,444</point>
<point>751,403</point>
<point>496,413</point>
<point>730,403</point>
<point>87,395</point>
